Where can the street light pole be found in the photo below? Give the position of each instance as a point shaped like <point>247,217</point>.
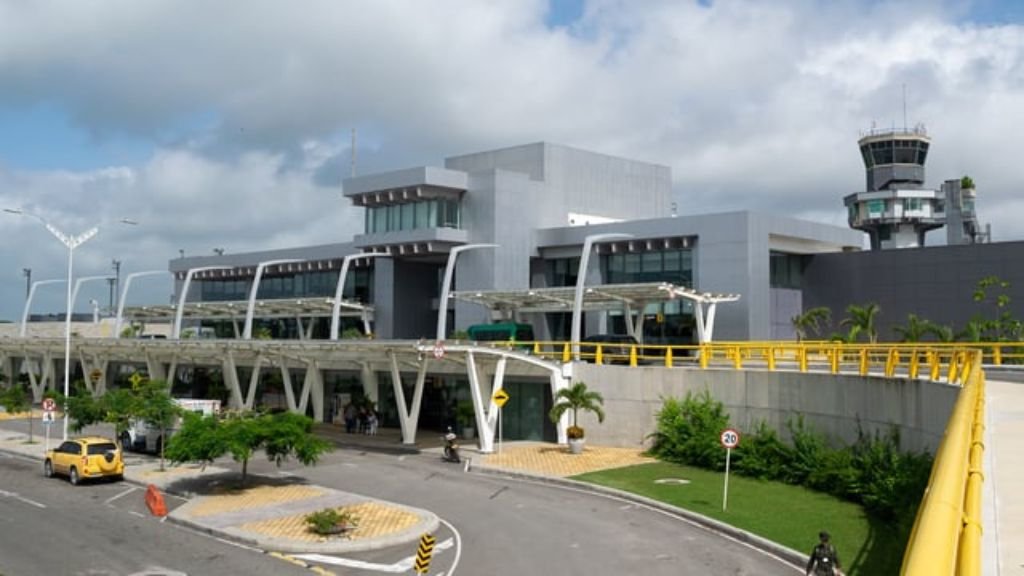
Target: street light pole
<point>28,280</point>
<point>71,242</point>
<point>115,284</point>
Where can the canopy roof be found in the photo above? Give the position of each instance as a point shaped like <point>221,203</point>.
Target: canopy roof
<point>603,297</point>
<point>276,308</point>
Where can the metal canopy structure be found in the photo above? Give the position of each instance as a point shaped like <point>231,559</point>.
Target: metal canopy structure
<point>235,310</point>
<point>625,297</point>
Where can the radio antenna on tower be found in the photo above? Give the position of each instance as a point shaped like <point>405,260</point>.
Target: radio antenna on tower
<point>904,107</point>
<point>353,166</point>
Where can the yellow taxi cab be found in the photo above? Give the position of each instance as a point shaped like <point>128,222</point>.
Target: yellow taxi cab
<point>85,458</point>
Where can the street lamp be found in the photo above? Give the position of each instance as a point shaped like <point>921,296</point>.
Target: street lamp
<point>28,280</point>
<point>581,275</point>
<point>71,242</point>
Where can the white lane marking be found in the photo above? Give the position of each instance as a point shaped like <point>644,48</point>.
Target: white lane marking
<point>125,493</point>
<point>7,494</point>
<point>458,547</point>
<point>399,567</point>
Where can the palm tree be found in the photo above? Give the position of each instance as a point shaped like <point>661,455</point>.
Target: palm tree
<point>811,321</point>
<point>915,329</point>
<point>577,397</point>
<point>940,332</point>
<point>862,319</point>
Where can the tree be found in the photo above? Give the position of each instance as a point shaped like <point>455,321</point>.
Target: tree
<point>15,401</point>
<point>915,329</point>
<point>939,332</point>
<point>1001,326</point>
<point>811,321</point>
<point>966,183</point>
<point>157,408</point>
<point>861,319</point>
<point>575,398</point>
<point>280,435</point>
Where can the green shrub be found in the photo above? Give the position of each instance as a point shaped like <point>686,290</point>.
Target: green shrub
<point>687,431</point>
<point>330,521</point>
<point>872,472</point>
<point>762,455</point>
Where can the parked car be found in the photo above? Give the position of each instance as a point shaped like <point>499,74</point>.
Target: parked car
<point>615,348</point>
<point>84,459</point>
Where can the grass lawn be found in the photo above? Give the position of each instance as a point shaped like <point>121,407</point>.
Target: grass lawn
<point>789,515</point>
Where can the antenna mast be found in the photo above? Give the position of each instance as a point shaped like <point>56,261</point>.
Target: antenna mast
<point>904,107</point>
<point>353,167</point>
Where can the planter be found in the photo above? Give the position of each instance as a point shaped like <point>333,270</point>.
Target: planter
<point>576,445</point>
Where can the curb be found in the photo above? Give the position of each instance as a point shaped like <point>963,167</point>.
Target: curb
<point>783,553</point>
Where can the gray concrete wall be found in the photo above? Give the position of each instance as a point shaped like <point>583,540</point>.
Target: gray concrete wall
<point>578,181</point>
<point>936,283</point>
<point>832,405</point>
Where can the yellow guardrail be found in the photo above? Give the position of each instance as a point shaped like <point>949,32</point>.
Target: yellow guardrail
<point>946,537</point>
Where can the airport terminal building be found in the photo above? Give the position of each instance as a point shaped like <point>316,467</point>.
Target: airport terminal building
<point>536,204</point>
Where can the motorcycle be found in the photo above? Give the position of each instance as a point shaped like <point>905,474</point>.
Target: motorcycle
<point>451,449</point>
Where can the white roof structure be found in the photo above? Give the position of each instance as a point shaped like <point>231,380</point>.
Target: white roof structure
<point>624,297</point>
<point>235,309</point>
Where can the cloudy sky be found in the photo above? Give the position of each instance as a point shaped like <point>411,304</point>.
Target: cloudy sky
<point>227,125</point>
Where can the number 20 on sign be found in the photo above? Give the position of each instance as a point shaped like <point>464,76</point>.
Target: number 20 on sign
<point>730,438</point>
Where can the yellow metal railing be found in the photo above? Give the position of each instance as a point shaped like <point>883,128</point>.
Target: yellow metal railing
<point>946,537</point>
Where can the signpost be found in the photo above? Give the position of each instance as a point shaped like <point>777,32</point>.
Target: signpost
<point>499,398</point>
<point>730,438</point>
<point>48,407</point>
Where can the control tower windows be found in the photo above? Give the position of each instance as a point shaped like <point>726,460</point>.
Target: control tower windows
<point>436,213</point>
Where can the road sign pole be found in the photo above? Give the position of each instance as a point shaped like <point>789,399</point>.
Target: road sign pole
<point>499,429</point>
<point>725,491</point>
<point>47,449</point>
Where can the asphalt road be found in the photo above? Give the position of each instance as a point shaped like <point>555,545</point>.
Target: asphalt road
<point>491,525</point>
<point>508,527</point>
<point>49,527</point>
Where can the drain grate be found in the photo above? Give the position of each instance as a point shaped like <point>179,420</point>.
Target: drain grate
<point>672,481</point>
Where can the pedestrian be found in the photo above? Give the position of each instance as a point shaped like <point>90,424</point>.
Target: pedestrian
<point>371,422</point>
<point>824,560</point>
<point>350,418</point>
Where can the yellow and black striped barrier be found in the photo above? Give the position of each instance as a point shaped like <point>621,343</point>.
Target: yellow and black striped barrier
<point>424,553</point>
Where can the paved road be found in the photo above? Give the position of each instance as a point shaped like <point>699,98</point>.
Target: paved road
<point>490,525</point>
<point>49,527</point>
<point>511,527</point>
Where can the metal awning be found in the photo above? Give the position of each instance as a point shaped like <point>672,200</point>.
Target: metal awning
<point>603,297</point>
<point>235,309</point>
<point>625,297</point>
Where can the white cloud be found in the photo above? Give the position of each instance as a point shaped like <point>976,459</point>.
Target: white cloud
<point>754,105</point>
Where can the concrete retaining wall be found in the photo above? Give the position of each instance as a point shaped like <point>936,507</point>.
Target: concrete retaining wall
<point>832,405</point>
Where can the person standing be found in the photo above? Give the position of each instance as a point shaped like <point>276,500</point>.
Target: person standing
<point>824,560</point>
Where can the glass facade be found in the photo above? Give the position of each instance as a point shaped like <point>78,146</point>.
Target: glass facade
<point>358,286</point>
<point>787,270</point>
<point>675,266</point>
<point>437,213</point>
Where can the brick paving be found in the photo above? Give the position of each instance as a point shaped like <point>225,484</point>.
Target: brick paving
<point>554,460</point>
<point>249,498</point>
<point>375,519</point>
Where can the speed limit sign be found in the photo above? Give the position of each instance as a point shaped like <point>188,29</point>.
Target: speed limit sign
<point>49,405</point>
<point>439,350</point>
<point>729,438</point>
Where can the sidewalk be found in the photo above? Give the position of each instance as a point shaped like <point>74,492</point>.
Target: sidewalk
<point>1003,523</point>
<point>269,513</point>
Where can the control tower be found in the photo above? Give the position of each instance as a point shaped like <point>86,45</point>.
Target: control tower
<point>896,211</point>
